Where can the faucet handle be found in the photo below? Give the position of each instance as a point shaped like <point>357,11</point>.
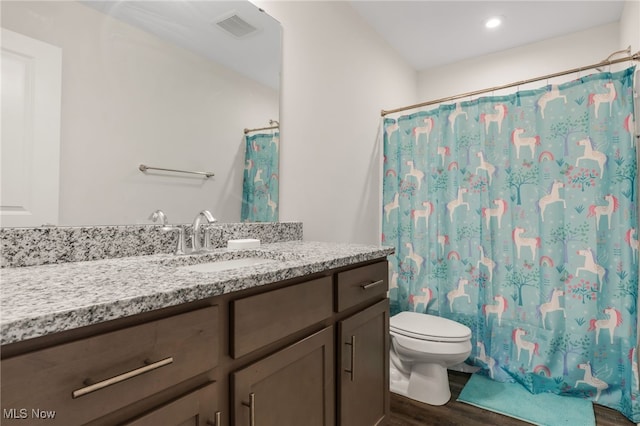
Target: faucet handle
<point>159,215</point>
<point>207,238</point>
<point>181,244</point>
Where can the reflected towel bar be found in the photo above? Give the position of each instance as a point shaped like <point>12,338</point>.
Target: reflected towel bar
<point>260,128</point>
<point>144,168</point>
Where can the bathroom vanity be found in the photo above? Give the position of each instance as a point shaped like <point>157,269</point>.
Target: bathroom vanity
<point>299,339</point>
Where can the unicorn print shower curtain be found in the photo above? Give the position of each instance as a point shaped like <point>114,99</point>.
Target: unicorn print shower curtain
<point>260,180</point>
<point>516,216</point>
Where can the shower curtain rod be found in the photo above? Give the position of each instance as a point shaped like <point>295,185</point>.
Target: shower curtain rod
<point>260,128</point>
<point>634,57</point>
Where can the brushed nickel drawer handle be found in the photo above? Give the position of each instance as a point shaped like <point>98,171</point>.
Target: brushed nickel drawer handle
<point>373,284</point>
<point>121,377</point>
<point>352,372</point>
<point>252,408</point>
<point>218,421</point>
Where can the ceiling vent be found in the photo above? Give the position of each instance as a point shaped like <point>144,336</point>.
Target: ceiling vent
<point>236,26</point>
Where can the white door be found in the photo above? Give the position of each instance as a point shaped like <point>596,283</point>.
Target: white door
<point>30,145</point>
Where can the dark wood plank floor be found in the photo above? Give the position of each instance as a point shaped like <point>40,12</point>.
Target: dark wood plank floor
<point>407,412</point>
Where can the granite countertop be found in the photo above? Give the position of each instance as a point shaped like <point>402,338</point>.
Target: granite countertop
<point>40,300</point>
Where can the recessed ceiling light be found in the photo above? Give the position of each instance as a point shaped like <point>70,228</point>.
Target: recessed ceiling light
<point>493,22</point>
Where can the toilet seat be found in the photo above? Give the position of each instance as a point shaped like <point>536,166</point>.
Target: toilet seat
<point>428,327</point>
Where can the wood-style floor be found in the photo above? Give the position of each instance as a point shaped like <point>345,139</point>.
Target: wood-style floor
<point>407,412</point>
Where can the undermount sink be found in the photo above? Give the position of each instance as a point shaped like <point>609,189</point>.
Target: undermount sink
<point>223,265</point>
<point>224,260</point>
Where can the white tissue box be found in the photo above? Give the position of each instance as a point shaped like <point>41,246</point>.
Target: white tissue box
<point>243,244</point>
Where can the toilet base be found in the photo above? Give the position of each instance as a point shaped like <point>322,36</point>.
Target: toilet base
<point>427,383</point>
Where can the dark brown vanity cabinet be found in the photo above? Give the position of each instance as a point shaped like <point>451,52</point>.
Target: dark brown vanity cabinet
<point>337,375</point>
<point>308,351</point>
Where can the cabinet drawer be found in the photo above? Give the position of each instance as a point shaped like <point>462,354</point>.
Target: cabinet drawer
<point>88,378</point>
<point>197,408</point>
<point>361,284</point>
<point>265,318</point>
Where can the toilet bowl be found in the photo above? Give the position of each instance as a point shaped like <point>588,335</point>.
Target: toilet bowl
<point>422,348</point>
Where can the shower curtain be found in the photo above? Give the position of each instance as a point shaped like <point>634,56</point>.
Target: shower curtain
<point>260,180</point>
<point>516,216</point>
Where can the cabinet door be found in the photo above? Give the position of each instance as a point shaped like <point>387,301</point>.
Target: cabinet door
<point>363,369</point>
<point>197,408</point>
<point>292,387</point>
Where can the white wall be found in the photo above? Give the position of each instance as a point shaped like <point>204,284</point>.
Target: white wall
<point>129,98</point>
<point>528,61</point>
<point>338,76</point>
<point>630,26</point>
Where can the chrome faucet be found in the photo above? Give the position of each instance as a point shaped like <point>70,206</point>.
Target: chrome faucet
<point>197,224</point>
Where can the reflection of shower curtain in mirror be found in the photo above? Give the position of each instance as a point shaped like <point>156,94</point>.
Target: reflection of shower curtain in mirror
<point>260,186</point>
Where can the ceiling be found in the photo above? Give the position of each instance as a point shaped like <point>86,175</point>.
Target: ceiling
<point>427,33</point>
<point>431,33</point>
<point>193,25</point>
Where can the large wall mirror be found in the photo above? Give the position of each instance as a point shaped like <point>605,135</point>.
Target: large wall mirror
<point>168,84</point>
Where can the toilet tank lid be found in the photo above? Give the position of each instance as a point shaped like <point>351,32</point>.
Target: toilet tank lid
<point>428,327</point>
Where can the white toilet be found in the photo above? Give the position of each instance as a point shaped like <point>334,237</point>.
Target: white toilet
<point>422,348</point>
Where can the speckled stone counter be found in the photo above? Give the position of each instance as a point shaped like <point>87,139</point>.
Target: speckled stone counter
<point>40,300</point>
<point>59,244</point>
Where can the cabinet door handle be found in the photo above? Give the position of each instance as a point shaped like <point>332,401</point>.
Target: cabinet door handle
<point>252,408</point>
<point>218,421</point>
<point>121,377</point>
<point>352,372</point>
<point>373,284</point>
